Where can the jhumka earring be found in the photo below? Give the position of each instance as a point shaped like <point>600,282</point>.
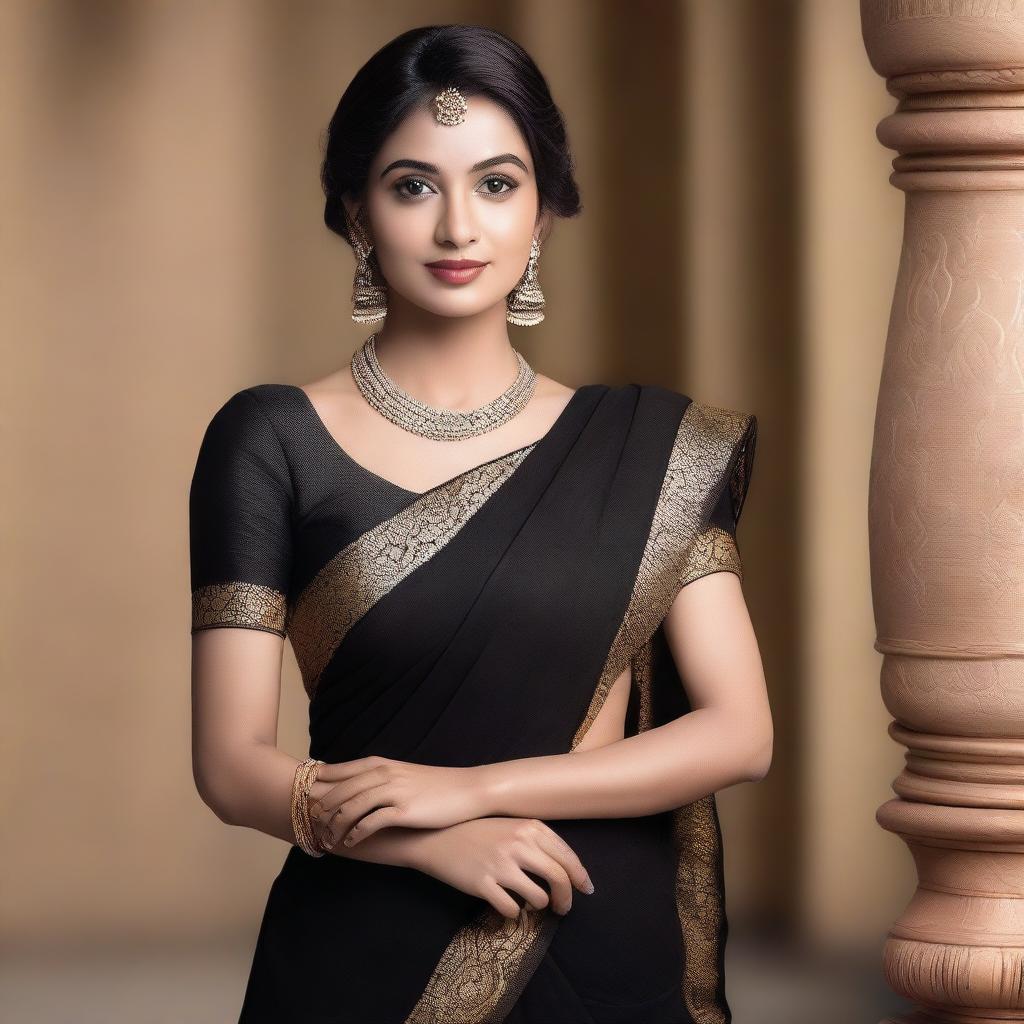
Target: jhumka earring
<point>369,289</point>
<point>526,301</point>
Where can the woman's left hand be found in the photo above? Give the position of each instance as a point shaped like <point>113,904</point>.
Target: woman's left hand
<point>353,799</point>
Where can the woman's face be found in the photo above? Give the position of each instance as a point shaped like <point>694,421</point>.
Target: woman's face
<point>453,192</point>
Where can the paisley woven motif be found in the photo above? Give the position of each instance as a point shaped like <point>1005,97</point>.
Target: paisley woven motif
<point>485,968</point>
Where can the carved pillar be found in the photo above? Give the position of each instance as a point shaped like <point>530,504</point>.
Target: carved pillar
<point>946,506</point>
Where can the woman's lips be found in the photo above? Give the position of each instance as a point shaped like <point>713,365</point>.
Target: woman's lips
<point>456,275</point>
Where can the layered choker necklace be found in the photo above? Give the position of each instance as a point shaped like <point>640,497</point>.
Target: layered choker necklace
<point>428,420</point>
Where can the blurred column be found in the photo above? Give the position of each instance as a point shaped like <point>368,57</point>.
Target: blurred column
<point>946,500</point>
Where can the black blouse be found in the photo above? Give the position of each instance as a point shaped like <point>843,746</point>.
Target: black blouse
<point>273,497</point>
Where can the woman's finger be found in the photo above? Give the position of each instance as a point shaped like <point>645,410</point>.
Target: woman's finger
<point>499,899</point>
<point>352,810</point>
<point>383,817</point>
<point>343,793</point>
<point>543,864</point>
<point>554,844</point>
<point>517,880</point>
<point>338,771</point>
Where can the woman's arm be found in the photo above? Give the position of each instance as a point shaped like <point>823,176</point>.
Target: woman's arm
<point>246,780</point>
<point>241,507</point>
<point>239,771</point>
<point>726,739</point>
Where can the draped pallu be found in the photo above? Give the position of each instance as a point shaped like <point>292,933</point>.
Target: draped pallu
<point>486,620</point>
<point>947,501</point>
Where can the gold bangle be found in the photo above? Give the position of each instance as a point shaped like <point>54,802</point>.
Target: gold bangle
<point>309,778</point>
<point>312,847</point>
<point>305,775</point>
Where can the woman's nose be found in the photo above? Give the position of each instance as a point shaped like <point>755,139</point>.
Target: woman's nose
<point>456,225</point>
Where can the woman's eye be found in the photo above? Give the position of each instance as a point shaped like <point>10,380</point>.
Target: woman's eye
<point>512,186</point>
<point>413,188</point>
<point>409,181</point>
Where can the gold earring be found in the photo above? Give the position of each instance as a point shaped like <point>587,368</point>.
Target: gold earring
<point>526,301</point>
<point>369,289</point>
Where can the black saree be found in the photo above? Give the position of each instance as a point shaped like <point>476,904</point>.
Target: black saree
<point>483,620</point>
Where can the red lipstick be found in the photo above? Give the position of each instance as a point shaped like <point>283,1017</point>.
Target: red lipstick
<point>456,271</point>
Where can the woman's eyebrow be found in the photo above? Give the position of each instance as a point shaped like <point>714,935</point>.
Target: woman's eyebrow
<point>420,165</point>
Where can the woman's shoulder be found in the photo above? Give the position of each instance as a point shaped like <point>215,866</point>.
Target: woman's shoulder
<point>692,406</point>
<point>253,422</point>
<point>256,407</point>
<point>711,453</point>
<point>712,424</point>
<point>703,432</point>
<point>268,398</point>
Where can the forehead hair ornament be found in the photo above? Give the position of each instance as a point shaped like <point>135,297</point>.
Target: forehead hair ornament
<point>450,106</point>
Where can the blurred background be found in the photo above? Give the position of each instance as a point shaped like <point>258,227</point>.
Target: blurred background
<point>163,247</point>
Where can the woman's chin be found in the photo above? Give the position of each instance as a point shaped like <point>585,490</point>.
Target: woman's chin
<point>452,306</point>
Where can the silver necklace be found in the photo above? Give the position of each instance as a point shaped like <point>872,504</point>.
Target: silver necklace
<point>428,420</point>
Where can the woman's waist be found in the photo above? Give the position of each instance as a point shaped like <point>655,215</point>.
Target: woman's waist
<point>635,847</point>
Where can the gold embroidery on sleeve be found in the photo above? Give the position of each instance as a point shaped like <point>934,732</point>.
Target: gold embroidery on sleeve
<point>363,572</point>
<point>712,550</point>
<point>239,604</point>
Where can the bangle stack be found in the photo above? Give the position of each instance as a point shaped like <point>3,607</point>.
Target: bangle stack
<point>305,776</point>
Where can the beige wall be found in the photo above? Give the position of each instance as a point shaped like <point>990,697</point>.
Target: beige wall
<point>163,247</point>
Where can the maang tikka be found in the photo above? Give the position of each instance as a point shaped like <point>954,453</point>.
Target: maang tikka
<point>524,304</point>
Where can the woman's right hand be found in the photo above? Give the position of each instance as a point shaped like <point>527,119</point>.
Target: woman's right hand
<point>486,856</point>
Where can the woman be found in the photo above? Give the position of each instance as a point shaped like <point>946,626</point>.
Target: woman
<point>493,585</point>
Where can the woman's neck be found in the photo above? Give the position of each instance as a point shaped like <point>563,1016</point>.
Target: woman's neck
<point>453,363</point>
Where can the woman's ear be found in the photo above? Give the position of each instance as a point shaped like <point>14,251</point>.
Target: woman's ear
<point>545,223</point>
<point>356,219</point>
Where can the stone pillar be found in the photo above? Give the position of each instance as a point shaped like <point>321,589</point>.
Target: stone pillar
<point>946,502</point>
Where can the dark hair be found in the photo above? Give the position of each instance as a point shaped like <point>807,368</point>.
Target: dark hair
<point>411,70</point>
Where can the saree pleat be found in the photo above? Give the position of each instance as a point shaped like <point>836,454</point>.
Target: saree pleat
<point>486,620</point>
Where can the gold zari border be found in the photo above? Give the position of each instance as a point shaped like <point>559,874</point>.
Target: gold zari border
<point>485,968</point>
<point>248,605</point>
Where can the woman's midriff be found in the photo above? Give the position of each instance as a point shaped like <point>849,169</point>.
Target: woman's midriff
<point>610,723</point>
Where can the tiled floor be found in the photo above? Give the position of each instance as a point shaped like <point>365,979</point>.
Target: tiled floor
<point>767,984</point>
